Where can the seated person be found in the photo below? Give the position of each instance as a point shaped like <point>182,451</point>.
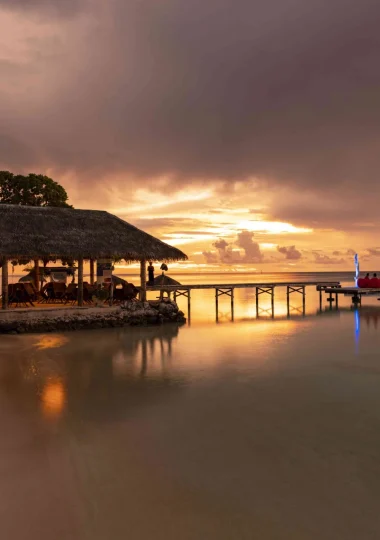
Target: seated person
<point>374,282</point>
<point>364,282</point>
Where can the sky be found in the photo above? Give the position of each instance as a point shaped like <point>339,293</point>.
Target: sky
<point>245,132</point>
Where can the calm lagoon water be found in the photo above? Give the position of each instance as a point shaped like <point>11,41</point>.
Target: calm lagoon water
<point>264,428</point>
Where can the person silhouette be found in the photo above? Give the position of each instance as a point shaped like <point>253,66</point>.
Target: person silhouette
<point>150,274</point>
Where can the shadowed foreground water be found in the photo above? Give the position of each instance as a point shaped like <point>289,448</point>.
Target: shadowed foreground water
<point>260,428</point>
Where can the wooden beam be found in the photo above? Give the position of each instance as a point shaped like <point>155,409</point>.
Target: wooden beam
<point>143,280</point>
<point>4,284</point>
<point>80,281</point>
<point>92,271</point>
<point>36,274</point>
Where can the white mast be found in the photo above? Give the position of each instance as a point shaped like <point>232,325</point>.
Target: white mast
<point>357,270</point>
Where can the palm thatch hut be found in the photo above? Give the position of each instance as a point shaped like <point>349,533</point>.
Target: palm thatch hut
<point>165,280</point>
<point>29,233</point>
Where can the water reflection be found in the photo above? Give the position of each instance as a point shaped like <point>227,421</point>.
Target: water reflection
<point>53,398</point>
<point>208,430</point>
<point>51,341</point>
<point>98,374</point>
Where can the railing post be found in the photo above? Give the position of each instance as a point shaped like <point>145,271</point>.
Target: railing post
<point>4,283</point>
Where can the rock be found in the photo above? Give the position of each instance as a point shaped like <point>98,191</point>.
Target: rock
<point>131,313</point>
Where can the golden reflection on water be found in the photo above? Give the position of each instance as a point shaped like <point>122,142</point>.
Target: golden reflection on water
<point>51,341</point>
<point>53,398</point>
<point>203,309</point>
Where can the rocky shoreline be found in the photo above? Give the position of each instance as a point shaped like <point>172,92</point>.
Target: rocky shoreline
<point>69,319</point>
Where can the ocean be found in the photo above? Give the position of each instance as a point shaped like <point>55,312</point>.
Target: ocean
<point>261,425</point>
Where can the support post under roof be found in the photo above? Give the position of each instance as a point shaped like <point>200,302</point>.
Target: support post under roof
<point>143,280</point>
<point>4,284</point>
<point>80,281</point>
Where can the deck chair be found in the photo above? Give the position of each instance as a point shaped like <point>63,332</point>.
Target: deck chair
<point>59,291</point>
<point>71,294</point>
<point>130,292</point>
<point>30,293</point>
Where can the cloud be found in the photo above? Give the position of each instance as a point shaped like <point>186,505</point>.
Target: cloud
<point>226,253</point>
<point>290,252</point>
<point>45,7</point>
<point>211,257</point>
<point>281,90</point>
<point>220,244</point>
<point>321,258</point>
<point>230,253</point>
<point>374,252</point>
<point>347,253</point>
<point>251,248</point>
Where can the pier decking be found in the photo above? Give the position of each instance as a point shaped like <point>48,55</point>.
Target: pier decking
<point>228,289</point>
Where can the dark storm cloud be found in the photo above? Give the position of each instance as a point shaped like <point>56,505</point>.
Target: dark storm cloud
<point>286,90</point>
<point>346,208</point>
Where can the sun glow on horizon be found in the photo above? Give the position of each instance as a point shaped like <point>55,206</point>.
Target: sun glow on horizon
<point>272,227</point>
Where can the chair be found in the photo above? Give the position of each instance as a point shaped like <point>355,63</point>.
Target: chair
<point>88,293</point>
<point>31,291</point>
<point>18,295</point>
<point>130,292</point>
<point>46,293</point>
<point>118,295</point>
<point>59,290</point>
<point>71,294</point>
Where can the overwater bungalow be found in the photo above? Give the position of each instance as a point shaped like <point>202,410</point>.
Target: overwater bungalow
<point>34,234</point>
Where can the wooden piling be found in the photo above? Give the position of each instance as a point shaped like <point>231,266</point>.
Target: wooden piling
<point>143,280</point>
<point>80,281</point>
<point>92,271</point>
<point>36,277</point>
<point>4,283</point>
<point>272,301</point>
<point>303,300</point>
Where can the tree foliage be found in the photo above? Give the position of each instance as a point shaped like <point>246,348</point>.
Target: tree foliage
<point>31,190</point>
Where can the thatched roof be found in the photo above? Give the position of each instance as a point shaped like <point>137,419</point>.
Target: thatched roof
<point>46,232</point>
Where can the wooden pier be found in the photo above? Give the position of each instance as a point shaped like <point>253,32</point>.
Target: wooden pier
<point>223,289</point>
<point>356,293</point>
